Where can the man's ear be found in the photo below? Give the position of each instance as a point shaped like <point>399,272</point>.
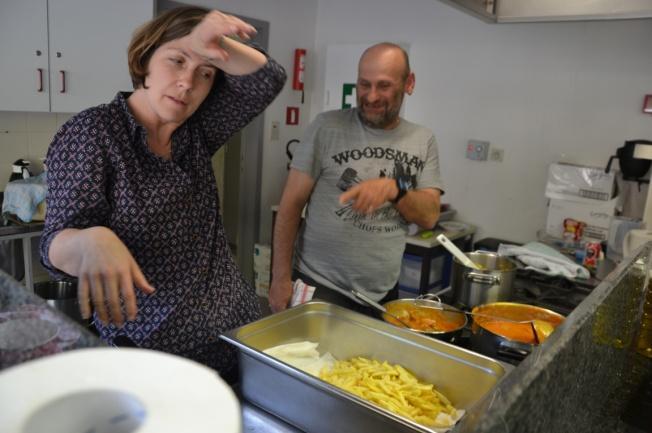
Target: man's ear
<point>409,83</point>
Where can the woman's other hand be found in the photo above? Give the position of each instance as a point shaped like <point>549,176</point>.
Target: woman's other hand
<point>106,271</point>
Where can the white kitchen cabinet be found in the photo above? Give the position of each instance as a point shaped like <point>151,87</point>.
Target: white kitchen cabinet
<point>65,55</point>
<point>24,55</point>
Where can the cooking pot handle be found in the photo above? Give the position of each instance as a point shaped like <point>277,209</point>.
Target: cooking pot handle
<point>483,278</point>
<point>514,349</point>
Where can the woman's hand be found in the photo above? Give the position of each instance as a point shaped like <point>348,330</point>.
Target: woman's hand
<point>106,271</point>
<point>207,37</point>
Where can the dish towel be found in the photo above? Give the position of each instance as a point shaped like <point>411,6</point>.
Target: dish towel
<point>23,197</point>
<point>544,259</point>
<point>301,293</point>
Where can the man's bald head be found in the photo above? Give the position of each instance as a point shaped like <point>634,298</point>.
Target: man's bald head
<point>391,52</point>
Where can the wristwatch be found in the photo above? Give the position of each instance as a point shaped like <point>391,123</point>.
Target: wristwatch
<point>404,184</point>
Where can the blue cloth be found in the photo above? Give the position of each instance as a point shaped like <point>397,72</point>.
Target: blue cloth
<point>22,196</point>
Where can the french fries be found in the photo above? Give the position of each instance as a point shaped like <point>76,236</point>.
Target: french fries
<point>394,388</point>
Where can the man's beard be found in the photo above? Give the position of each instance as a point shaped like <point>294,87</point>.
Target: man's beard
<point>380,120</point>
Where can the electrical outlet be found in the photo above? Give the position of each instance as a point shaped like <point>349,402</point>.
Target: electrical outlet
<point>477,150</point>
<point>496,154</point>
<point>276,125</point>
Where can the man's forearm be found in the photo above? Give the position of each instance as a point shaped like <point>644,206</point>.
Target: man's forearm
<point>285,234</point>
<point>419,207</point>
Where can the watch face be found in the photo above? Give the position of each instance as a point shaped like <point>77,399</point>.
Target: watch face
<point>405,179</point>
<point>404,183</point>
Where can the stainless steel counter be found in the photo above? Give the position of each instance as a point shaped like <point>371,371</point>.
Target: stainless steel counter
<point>590,365</point>
<point>15,230</point>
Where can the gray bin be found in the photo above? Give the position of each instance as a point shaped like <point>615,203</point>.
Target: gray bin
<point>61,295</point>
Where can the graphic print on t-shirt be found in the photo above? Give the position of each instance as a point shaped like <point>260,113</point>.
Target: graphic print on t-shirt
<point>385,219</point>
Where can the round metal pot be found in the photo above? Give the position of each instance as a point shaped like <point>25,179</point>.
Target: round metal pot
<point>61,295</point>
<point>493,283</point>
<point>457,316</point>
<point>493,344</point>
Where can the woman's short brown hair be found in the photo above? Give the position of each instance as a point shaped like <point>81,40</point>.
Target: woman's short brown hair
<point>173,24</point>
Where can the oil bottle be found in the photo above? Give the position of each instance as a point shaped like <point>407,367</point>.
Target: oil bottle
<point>644,341</point>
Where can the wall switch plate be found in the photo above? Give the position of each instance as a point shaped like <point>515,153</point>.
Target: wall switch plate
<point>496,154</point>
<point>276,125</point>
<point>477,150</point>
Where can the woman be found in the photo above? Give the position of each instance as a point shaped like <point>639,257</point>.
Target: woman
<point>133,209</point>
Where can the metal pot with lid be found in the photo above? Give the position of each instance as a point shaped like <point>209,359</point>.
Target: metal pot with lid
<point>493,282</point>
<point>427,315</point>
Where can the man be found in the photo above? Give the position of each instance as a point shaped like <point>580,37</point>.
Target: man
<point>366,173</point>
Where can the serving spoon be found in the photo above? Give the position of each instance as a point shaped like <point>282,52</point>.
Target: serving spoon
<point>452,248</point>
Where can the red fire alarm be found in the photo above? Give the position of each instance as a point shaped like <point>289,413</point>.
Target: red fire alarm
<point>292,116</point>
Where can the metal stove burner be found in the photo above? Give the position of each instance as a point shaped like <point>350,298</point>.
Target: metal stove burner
<point>554,293</point>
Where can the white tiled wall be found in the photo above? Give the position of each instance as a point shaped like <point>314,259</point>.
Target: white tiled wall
<point>26,135</point>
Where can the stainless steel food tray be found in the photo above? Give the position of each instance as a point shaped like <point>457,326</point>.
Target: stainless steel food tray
<point>313,405</point>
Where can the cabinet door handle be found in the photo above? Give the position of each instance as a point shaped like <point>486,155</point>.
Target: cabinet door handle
<point>40,80</point>
<point>63,81</point>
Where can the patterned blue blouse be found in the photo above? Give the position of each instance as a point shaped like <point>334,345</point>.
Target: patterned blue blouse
<point>102,173</point>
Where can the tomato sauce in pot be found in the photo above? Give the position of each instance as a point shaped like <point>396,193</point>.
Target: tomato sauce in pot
<point>513,312</point>
<point>424,319</point>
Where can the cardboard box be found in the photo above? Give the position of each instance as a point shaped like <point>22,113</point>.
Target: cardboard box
<point>569,182</point>
<point>597,214</point>
<point>262,287</point>
<point>262,269</point>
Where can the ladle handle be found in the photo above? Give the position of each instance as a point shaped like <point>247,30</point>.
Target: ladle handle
<point>452,248</point>
<point>368,301</point>
<point>377,306</point>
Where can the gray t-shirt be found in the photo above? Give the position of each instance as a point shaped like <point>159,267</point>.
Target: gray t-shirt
<point>336,246</point>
